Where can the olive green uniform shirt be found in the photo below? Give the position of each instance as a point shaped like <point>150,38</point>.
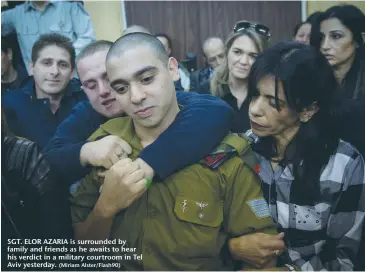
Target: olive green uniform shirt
<point>183,222</point>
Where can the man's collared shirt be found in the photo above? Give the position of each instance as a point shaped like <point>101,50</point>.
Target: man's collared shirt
<point>32,118</point>
<point>64,17</point>
<point>183,222</point>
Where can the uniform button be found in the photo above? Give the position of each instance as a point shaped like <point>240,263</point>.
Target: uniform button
<point>201,215</point>
<point>153,213</point>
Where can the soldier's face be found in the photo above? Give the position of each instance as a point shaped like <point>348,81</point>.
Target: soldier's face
<point>144,85</point>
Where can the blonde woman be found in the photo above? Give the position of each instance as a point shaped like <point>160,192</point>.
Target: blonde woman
<point>229,82</point>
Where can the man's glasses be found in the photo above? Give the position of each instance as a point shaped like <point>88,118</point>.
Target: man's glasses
<point>259,28</point>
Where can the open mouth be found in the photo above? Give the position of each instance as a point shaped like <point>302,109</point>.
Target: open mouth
<point>257,126</point>
<point>108,102</point>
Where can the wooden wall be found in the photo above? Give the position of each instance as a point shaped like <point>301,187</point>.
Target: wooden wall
<point>189,23</point>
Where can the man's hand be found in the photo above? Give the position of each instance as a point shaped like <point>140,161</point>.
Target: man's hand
<point>148,171</point>
<point>257,249</point>
<point>123,184</point>
<point>104,152</point>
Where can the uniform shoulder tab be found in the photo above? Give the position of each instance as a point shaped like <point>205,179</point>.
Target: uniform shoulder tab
<point>250,158</point>
<point>221,153</point>
<point>231,146</point>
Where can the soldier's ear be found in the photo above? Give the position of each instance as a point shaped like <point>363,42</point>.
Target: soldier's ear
<point>173,67</point>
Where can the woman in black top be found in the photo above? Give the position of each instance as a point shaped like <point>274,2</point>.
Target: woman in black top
<point>230,80</point>
<point>339,34</point>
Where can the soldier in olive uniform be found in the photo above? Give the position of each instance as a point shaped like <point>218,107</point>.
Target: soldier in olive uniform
<point>183,222</point>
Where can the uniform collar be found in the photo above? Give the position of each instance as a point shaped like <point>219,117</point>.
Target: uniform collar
<point>30,5</point>
<point>123,127</point>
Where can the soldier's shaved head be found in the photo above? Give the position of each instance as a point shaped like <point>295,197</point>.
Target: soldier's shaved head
<point>134,29</point>
<point>133,40</point>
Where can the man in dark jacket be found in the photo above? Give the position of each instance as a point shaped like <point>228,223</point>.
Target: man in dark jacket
<point>35,110</point>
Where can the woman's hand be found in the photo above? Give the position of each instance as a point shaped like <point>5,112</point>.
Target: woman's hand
<point>257,249</point>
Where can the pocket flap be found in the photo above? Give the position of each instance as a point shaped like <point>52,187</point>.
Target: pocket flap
<point>206,213</point>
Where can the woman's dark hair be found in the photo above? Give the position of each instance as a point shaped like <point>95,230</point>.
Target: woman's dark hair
<point>312,19</point>
<point>354,19</point>
<point>350,16</point>
<point>307,78</point>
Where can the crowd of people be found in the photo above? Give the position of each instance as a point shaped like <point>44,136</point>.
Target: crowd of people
<point>255,161</point>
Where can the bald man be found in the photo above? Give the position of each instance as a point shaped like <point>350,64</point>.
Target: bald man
<point>214,54</point>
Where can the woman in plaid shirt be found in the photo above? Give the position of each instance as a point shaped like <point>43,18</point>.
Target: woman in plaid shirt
<point>313,181</point>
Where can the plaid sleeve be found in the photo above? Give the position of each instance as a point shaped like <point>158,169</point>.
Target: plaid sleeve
<point>346,220</point>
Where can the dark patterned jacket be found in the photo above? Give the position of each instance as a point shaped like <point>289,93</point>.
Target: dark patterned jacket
<point>200,81</point>
<point>33,203</point>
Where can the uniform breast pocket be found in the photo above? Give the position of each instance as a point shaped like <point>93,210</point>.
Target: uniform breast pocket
<point>199,231</point>
<point>29,29</point>
<point>63,27</point>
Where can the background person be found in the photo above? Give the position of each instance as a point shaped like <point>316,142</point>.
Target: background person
<point>229,82</point>
<point>12,76</point>
<point>214,55</point>
<point>34,18</point>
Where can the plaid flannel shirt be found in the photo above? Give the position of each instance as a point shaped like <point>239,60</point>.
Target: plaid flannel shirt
<point>325,236</point>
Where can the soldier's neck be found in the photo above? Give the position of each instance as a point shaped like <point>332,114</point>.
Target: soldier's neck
<point>148,135</point>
